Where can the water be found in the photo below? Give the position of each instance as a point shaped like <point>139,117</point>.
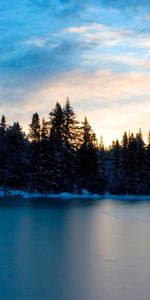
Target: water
<point>76,250</point>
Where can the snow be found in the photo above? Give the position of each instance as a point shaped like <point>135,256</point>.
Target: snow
<point>84,195</point>
<point>23,194</point>
<point>126,197</point>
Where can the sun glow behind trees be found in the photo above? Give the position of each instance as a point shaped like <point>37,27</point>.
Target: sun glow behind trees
<point>61,154</point>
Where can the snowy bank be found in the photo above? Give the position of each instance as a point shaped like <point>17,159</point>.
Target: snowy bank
<point>64,195</point>
<point>126,197</point>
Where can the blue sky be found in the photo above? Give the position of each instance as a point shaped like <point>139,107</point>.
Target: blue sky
<point>95,52</point>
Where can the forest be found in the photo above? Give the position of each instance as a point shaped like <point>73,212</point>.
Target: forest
<point>63,155</point>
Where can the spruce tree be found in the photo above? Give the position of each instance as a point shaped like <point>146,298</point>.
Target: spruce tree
<point>3,151</point>
<point>88,154</point>
<point>124,182</point>
<point>57,122</point>
<point>141,187</point>
<point>35,154</point>
<point>17,157</point>
<point>132,165</point>
<point>44,157</point>
<point>56,149</point>
<point>101,178</point>
<point>71,130</point>
<point>114,168</point>
<point>147,151</point>
<point>35,129</point>
<point>71,139</point>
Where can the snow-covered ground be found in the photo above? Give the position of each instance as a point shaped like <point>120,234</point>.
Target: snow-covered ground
<point>24,194</point>
<point>84,195</point>
<point>126,197</point>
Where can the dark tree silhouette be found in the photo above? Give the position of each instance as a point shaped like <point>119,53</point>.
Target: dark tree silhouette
<point>62,155</point>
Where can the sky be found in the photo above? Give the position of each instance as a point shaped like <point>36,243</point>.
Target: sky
<point>96,52</point>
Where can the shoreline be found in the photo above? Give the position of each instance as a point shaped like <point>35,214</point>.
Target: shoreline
<point>66,196</point>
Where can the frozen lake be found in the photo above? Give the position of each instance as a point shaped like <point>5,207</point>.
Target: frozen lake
<point>74,250</point>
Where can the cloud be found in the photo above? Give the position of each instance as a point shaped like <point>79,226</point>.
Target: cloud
<point>37,42</point>
<point>125,4</point>
<point>96,52</point>
<point>79,29</point>
<point>100,32</point>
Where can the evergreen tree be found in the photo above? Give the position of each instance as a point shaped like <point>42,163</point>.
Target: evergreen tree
<point>101,144</point>
<point>43,157</point>
<point>3,150</point>
<point>35,129</point>
<point>101,178</point>
<point>57,122</point>
<point>71,130</point>
<point>56,164</point>
<point>132,165</point>
<point>141,187</point>
<point>35,154</point>
<point>17,161</point>
<point>72,141</point>
<point>61,156</point>
<point>148,164</point>
<point>114,168</point>
<point>88,154</point>
<point>56,149</point>
<point>44,130</point>
<point>124,185</point>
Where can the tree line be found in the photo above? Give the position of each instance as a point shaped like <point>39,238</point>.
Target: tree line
<point>63,155</point>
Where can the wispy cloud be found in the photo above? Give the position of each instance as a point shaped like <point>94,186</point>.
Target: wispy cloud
<point>79,29</point>
<point>37,42</point>
<point>95,52</point>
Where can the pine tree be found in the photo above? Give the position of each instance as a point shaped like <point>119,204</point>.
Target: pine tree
<point>72,141</point>
<point>132,165</point>
<point>56,165</point>
<point>35,129</point>
<point>114,168</point>
<point>101,144</point>
<point>44,130</point>
<point>56,149</point>
<point>148,165</point>
<point>44,157</point>
<point>57,122</point>
<point>61,156</point>
<point>3,150</point>
<point>141,164</point>
<point>101,178</point>
<point>124,182</point>
<point>17,161</point>
<point>88,154</point>
<point>35,154</point>
<point>71,130</point>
